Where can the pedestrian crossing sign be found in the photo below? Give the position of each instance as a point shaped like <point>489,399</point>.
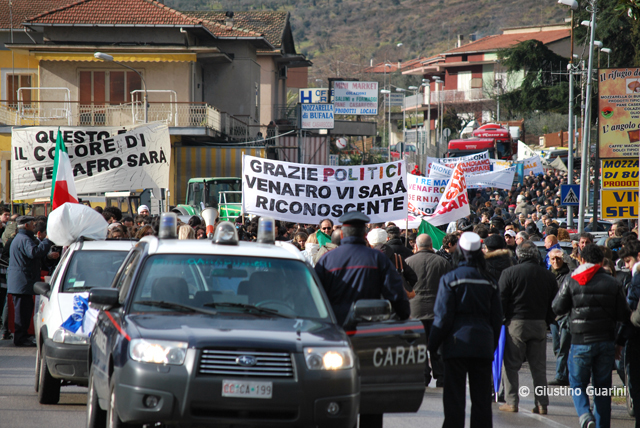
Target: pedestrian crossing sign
<point>570,195</point>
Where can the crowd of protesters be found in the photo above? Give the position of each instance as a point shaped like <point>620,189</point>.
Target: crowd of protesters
<point>519,261</point>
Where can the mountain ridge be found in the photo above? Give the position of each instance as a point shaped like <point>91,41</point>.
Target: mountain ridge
<point>342,37</point>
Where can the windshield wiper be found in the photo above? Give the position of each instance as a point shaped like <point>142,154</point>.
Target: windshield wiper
<point>171,305</point>
<point>249,307</point>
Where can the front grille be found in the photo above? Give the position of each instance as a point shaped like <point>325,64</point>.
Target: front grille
<point>268,364</point>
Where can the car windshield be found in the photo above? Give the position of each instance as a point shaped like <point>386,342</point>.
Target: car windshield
<point>88,269</point>
<point>229,284</point>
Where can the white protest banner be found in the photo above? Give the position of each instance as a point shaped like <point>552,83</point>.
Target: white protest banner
<point>356,97</point>
<point>304,193</point>
<point>499,164</point>
<point>454,203</point>
<point>471,164</point>
<point>316,116</point>
<point>533,165</point>
<point>424,193</point>
<point>524,151</point>
<point>501,179</point>
<point>103,159</point>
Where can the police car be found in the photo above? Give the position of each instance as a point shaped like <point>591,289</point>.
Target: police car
<point>62,354</point>
<point>230,333</point>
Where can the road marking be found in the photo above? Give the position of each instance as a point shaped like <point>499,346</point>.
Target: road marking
<point>543,419</point>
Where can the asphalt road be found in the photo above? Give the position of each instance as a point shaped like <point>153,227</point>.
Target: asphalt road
<point>19,407</point>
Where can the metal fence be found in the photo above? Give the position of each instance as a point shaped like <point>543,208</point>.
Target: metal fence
<point>49,113</point>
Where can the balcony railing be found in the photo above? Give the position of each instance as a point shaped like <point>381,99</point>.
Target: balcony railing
<point>177,114</point>
<point>454,96</point>
<point>446,97</point>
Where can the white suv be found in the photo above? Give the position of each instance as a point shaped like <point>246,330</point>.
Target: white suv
<point>62,354</point>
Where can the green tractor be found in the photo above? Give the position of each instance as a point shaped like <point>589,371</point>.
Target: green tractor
<point>222,193</point>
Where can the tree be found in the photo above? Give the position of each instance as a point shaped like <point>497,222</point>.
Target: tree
<point>543,87</point>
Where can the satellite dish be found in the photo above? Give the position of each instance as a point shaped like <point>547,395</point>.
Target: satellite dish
<point>341,143</point>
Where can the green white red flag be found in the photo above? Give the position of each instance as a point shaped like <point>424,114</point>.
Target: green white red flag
<point>63,188</point>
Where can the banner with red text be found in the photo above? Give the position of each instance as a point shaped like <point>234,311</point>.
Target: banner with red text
<point>477,163</point>
<point>307,194</point>
<point>454,203</point>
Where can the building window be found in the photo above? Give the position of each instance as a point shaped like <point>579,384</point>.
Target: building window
<point>107,87</point>
<point>100,88</point>
<point>465,58</point>
<point>15,82</point>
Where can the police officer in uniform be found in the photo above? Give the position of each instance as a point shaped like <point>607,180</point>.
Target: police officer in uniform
<point>353,271</point>
<point>466,328</point>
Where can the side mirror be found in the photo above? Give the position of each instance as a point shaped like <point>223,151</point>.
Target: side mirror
<point>42,288</point>
<point>104,297</point>
<point>367,310</point>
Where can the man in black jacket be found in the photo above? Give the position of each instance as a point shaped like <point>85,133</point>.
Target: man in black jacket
<point>429,268</point>
<point>526,291</point>
<point>25,258</point>
<point>497,256</point>
<point>596,302</point>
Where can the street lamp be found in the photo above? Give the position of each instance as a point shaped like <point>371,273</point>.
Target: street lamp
<point>388,92</point>
<point>108,58</point>
<point>415,112</point>
<point>438,81</point>
<point>584,174</point>
<point>573,4</point>
<point>404,122</point>
<point>608,52</point>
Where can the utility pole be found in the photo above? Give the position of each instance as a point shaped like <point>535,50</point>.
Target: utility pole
<point>584,176</point>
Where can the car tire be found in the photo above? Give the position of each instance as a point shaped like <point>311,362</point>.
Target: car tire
<point>49,387</point>
<point>96,417</point>
<point>36,385</point>
<point>630,408</point>
<point>113,419</point>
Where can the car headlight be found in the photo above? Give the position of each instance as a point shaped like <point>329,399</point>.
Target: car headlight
<point>158,351</point>
<point>328,358</point>
<point>65,336</point>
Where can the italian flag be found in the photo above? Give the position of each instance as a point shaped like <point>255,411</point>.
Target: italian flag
<point>63,188</point>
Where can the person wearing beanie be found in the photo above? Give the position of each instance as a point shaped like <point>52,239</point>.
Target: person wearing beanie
<point>526,291</point>
<point>497,255</point>
<point>467,343</point>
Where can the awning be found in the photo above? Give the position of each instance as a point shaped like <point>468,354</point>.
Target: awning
<point>120,57</point>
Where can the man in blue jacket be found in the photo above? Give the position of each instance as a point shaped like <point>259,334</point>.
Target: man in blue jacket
<point>353,271</point>
<point>26,254</point>
<point>466,328</point>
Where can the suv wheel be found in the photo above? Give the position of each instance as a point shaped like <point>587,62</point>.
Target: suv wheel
<point>38,368</point>
<point>113,420</point>
<point>96,417</point>
<point>49,387</point>
<point>630,409</point>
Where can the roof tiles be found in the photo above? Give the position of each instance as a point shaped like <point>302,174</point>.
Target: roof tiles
<point>269,24</point>
<point>502,41</point>
<point>114,12</point>
<point>21,10</point>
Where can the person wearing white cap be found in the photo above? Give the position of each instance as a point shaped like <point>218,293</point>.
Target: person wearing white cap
<point>510,239</point>
<point>143,210</point>
<point>466,328</point>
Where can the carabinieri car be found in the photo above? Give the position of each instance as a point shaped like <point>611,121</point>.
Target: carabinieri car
<point>230,333</point>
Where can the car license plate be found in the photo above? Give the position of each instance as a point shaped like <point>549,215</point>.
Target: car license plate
<point>245,389</point>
